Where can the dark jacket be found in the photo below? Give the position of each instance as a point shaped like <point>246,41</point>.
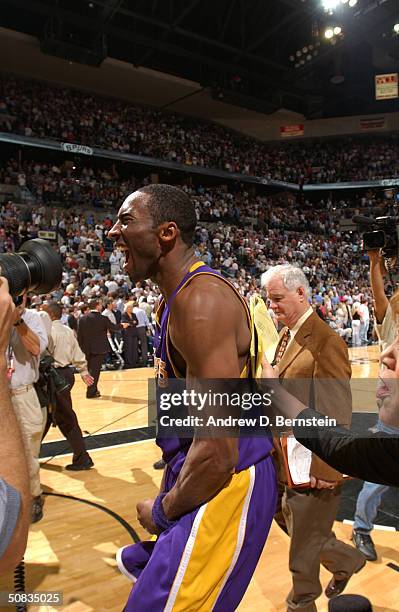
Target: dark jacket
<point>92,333</point>
<point>73,322</point>
<point>133,322</point>
<point>374,458</point>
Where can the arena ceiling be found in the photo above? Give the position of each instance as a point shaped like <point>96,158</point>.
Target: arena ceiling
<point>245,51</point>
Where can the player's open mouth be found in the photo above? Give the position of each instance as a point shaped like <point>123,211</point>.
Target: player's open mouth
<point>124,249</point>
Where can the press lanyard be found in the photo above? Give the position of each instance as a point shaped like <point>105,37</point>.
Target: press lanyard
<point>10,362</point>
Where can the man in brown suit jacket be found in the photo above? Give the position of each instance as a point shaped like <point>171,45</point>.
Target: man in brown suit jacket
<point>314,366</point>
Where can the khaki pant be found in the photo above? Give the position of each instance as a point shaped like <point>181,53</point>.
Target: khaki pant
<point>308,516</point>
<point>31,418</point>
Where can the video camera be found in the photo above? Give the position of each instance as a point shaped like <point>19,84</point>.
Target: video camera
<point>384,236</point>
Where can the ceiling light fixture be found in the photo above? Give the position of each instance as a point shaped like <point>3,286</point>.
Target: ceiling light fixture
<point>329,5</point>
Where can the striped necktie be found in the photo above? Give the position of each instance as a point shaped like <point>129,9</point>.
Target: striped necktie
<point>282,345</point>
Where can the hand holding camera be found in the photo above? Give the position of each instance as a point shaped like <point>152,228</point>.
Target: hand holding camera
<point>7,309</point>
<point>376,258</point>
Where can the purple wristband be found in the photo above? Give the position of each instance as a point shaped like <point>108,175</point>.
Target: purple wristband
<point>158,514</point>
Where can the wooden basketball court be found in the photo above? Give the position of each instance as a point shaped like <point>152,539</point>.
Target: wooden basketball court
<point>89,515</point>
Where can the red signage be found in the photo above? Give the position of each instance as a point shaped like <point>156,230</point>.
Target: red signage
<point>286,131</point>
<point>374,123</point>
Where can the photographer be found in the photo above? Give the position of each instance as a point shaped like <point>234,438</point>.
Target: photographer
<point>385,327</point>
<point>27,341</point>
<point>66,352</point>
<point>14,482</point>
<point>369,498</point>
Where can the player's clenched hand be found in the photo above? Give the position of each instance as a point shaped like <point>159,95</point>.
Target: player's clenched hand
<point>144,515</point>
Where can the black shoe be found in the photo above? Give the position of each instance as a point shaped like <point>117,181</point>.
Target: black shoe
<point>77,467</point>
<point>159,465</point>
<point>95,396</point>
<point>365,544</point>
<point>335,587</point>
<point>36,509</point>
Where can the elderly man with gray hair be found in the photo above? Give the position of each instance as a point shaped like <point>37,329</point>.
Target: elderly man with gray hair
<point>310,352</point>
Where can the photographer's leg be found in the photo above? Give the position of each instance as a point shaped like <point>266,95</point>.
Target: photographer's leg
<point>47,425</point>
<point>30,417</point>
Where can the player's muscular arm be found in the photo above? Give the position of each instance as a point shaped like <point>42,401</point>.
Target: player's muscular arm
<point>204,330</point>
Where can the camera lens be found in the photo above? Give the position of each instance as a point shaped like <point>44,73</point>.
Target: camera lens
<point>36,267</point>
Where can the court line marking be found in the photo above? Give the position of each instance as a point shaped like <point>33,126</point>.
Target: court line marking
<point>87,434</point>
<point>95,450</point>
<point>380,527</point>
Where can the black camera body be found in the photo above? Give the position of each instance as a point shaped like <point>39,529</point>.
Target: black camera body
<point>384,236</point>
<point>50,382</point>
<point>47,369</point>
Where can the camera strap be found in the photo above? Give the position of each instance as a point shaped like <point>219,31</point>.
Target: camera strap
<point>10,362</point>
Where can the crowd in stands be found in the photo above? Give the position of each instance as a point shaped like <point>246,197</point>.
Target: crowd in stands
<point>66,183</point>
<point>31,108</point>
<point>88,186</point>
<point>239,234</point>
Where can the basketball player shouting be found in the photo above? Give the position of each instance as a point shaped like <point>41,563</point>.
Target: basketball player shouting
<point>218,494</point>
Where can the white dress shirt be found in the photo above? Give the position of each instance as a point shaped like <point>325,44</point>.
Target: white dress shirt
<point>64,348</point>
<point>141,317</point>
<point>26,365</point>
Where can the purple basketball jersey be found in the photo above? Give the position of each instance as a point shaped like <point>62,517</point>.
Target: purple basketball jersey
<point>251,449</point>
